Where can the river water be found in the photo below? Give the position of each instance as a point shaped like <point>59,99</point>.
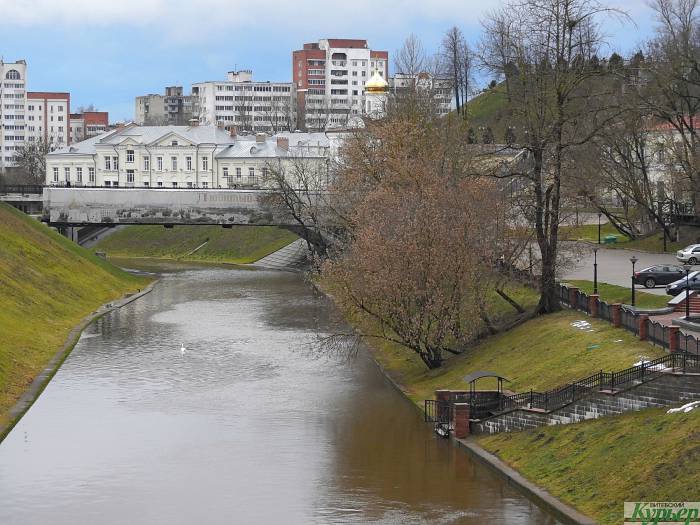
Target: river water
<point>250,425</point>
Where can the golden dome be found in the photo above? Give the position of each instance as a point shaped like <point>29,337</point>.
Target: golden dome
<point>376,84</point>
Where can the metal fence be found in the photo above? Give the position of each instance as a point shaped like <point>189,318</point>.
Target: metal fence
<point>24,189</point>
<point>438,411</point>
<point>658,334</point>
<point>688,344</point>
<point>564,295</point>
<point>629,321</point>
<point>604,311</point>
<point>582,303</point>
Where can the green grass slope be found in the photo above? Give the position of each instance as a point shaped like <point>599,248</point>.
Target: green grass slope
<point>598,465</point>
<point>489,109</point>
<point>47,285</point>
<point>237,245</point>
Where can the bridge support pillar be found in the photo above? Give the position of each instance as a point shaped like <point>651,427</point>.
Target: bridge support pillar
<point>461,420</point>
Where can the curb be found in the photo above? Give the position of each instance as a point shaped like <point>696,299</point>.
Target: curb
<point>37,386</point>
<point>554,506</point>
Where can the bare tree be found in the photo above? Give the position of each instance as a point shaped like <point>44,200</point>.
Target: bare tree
<point>31,160</point>
<point>411,59</point>
<point>457,60</point>
<point>545,47</point>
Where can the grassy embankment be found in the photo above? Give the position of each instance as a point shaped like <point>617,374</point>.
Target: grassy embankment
<point>539,354</point>
<point>652,243</point>
<point>597,465</point>
<point>237,245</point>
<point>489,109</point>
<point>47,286</point>
<point>594,466</point>
<point>611,293</point>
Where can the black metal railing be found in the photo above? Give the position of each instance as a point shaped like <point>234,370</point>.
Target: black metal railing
<point>629,321</point>
<point>604,311</point>
<point>688,344</point>
<point>24,189</point>
<point>438,411</point>
<point>658,334</point>
<point>582,302</point>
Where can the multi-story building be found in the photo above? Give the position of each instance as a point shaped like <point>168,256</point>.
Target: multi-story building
<point>13,107</point>
<point>330,76</point>
<point>48,118</point>
<point>174,108</point>
<point>436,89</point>
<point>88,124</point>
<point>179,157</point>
<point>247,105</point>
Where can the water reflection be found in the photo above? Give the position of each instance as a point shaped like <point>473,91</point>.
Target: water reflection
<point>246,427</point>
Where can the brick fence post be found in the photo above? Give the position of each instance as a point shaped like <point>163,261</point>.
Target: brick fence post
<point>616,314</point>
<point>461,420</point>
<point>573,296</point>
<point>673,332</point>
<point>593,304</point>
<point>643,327</point>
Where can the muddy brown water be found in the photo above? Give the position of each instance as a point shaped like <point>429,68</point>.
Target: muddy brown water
<point>248,425</point>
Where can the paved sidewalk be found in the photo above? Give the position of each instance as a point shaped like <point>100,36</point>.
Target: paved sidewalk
<point>293,257</point>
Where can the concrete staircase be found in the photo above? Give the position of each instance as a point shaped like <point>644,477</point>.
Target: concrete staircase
<point>678,302</point>
<point>293,257</point>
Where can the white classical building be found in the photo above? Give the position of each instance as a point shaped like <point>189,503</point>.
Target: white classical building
<point>13,109</point>
<point>244,104</point>
<point>180,157</point>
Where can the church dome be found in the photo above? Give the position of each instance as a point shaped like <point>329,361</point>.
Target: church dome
<point>376,84</point>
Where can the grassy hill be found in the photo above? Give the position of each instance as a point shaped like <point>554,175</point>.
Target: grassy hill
<point>488,109</point>
<point>48,285</point>
<point>237,245</point>
<point>597,465</point>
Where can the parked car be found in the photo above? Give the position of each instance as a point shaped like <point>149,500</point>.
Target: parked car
<point>679,286</point>
<point>689,254</point>
<point>659,274</point>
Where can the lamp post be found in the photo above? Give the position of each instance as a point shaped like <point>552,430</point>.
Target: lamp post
<point>687,268</point>
<point>595,271</point>
<point>633,260</point>
<point>599,216</point>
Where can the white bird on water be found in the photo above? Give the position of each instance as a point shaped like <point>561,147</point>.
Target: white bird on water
<point>182,348</point>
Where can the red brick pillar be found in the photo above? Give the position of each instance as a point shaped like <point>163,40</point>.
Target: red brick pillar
<point>673,338</point>
<point>461,420</point>
<point>443,411</point>
<point>573,295</point>
<point>593,304</point>
<point>443,395</point>
<point>643,327</point>
<point>616,314</point>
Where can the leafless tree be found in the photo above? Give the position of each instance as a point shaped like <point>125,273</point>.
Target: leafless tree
<point>457,58</point>
<point>544,46</point>
<point>31,160</point>
<point>411,59</point>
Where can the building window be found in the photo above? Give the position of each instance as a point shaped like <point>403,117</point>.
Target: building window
<point>205,163</point>
<point>159,163</point>
<point>160,184</point>
<point>67,170</point>
<point>55,174</point>
<point>108,163</point>
<point>130,155</point>
<point>189,184</point>
<point>205,184</point>
<point>265,173</point>
<point>174,184</point>
<point>146,184</point>
<point>115,161</point>
<point>188,161</point>
<point>130,176</point>
<point>173,163</point>
<point>225,173</point>
<point>146,163</point>
<point>107,183</point>
<point>251,174</point>
<point>173,143</point>
<point>238,173</point>
<point>12,74</point>
<point>79,174</point>
<point>91,174</point>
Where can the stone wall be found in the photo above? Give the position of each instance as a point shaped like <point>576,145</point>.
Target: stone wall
<point>665,390</point>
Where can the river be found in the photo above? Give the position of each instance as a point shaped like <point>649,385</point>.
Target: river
<point>250,425</point>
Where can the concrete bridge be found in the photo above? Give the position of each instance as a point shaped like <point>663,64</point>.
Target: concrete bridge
<point>82,206</point>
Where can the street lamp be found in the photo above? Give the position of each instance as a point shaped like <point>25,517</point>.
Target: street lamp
<point>595,271</point>
<point>633,260</point>
<point>687,268</point>
<point>599,216</point>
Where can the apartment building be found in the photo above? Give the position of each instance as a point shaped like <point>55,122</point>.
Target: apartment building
<point>245,104</point>
<point>185,157</point>
<point>13,106</point>
<point>330,77</point>
<point>88,124</point>
<point>174,108</point>
<point>48,118</point>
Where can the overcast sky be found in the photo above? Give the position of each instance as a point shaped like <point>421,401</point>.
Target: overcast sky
<point>106,52</point>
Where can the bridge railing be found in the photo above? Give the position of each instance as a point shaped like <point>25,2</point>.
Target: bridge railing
<point>24,189</point>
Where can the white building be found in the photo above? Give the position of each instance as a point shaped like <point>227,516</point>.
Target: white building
<point>179,157</point>
<point>48,118</point>
<point>245,104</point>
<point>439,89</point>
<point>329,76</point>
<point>13,106</point>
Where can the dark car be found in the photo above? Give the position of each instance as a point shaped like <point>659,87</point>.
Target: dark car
<point>659,274</point>
<point>678,286</point>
